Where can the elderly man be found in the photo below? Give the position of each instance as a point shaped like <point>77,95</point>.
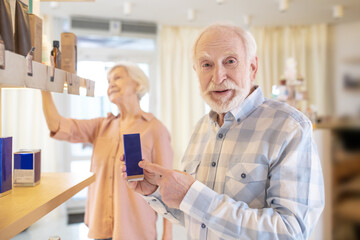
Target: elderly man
<point>251,169</point>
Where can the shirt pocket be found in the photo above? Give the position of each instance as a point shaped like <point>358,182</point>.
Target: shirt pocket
<point>247,182</point>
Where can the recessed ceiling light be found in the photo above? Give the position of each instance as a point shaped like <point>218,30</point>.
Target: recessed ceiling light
<point>220,1</point>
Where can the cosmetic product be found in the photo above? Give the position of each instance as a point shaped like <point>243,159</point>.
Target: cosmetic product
<point>55,59</point>
<point>27,166</point>
<point>6,27</point>
<point>5,165</point>
<point>36,36</point>
<point>22,29</point>
<point>69,52</point>
<point>56,54</point>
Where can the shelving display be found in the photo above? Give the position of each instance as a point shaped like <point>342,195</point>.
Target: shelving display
<point>15,75</point>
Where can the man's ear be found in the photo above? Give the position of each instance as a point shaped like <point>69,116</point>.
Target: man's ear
<point>253,68</point>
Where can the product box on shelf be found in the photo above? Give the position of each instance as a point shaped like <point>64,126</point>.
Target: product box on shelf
<point>27,167</point>
<point>36,36</point>
<point>5,165</point>
<point>68,52</point>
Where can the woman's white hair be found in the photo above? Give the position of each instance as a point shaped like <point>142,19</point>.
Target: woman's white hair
<point>246,37</point>
<point>136,74</point>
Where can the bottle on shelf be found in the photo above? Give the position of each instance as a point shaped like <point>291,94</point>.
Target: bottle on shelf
<point>56,55</point>
<point>55,59</point>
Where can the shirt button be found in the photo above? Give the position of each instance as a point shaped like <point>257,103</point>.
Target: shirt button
<point>203,225</point>
<point>243,175</point>
<point>185,170</point>
<point>220,135</point>
<point>238,120</point>
<point>213,164</point>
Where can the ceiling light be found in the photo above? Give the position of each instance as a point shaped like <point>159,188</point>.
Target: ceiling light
<point>191,14</point>
<point>338,11</point>
<point>283,5</point>
<point>220,1</point>
<point>54,5</point>
<point>247,20</point>
<point>127,8</point>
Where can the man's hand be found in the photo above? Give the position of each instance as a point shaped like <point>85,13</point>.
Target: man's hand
<point>144,187</point>
<point>173,184</point>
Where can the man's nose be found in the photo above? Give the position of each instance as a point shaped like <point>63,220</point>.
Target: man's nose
<point>219,74</point>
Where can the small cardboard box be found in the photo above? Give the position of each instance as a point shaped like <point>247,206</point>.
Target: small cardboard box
<point>36,36</point>
<point>69,52</point>
<point>27,166</point>
<point>5,165</point>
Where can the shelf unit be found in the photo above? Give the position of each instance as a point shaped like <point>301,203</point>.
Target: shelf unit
<point>25,205</point>
<point>343,202</point>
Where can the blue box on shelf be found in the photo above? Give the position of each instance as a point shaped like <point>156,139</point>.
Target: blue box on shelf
<point>27,167</point>
<point>5,165</point>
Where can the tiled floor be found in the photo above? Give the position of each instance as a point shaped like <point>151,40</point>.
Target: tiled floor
<point>55,224</point>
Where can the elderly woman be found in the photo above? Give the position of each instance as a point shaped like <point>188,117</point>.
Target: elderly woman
<point>113,210</point>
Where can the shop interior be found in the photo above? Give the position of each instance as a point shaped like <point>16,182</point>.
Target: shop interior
<point>309,57</point>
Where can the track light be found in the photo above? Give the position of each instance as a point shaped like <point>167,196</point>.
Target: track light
<point>283,5</point>
<point>338,11</point>
<point>127,8</point>
<point>191,14</point>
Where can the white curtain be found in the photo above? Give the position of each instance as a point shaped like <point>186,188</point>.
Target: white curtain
<point>179,102</point>
<point>23,120</point>
<point>308,45</point>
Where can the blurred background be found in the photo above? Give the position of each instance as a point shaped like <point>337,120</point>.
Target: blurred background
<point>309,56</point>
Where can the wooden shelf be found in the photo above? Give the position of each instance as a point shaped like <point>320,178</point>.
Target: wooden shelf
<point>15,75</point>
<point>25,205</point>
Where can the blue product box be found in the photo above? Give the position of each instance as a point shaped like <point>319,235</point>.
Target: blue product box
<point>27,166</point>
<point>5,165</point>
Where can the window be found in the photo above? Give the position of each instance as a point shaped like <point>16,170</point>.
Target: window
<point>94,60</point>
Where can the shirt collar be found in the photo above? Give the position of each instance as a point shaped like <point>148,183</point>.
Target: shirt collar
<point>146,116</point>
<point>255,99</point>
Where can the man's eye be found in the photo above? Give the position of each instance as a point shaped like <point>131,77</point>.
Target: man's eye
<point>231,61</point>
<point>206,65</point>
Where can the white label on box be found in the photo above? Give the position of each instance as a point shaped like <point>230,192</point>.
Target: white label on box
<point>23,176</point>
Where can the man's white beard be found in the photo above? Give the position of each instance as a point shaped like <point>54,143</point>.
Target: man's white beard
<point>225,105</point>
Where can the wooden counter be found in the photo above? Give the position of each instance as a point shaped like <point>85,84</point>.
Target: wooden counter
<point>25,205</point>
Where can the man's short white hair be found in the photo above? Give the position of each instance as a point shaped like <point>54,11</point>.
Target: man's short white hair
<point>246,36</point>
<point>136,74</point>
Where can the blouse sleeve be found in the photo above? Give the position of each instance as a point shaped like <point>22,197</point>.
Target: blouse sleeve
<point>74,130</point>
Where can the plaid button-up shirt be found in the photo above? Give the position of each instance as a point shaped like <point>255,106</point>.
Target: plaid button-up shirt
<point>258,175</point>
